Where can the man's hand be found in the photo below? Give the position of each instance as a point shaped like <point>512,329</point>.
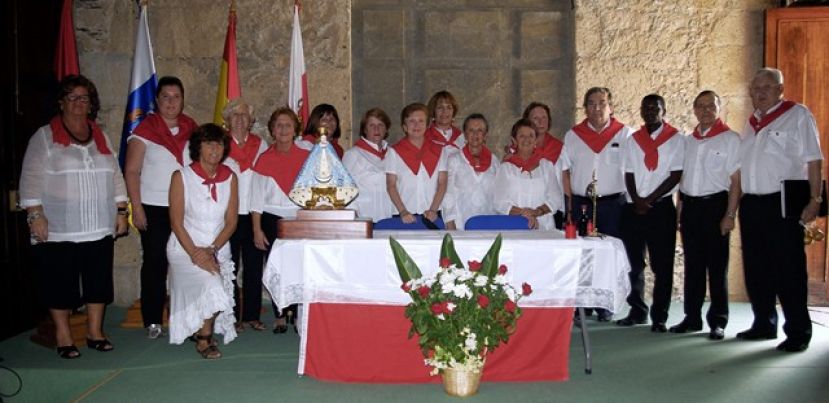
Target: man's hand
<point>809,212</point>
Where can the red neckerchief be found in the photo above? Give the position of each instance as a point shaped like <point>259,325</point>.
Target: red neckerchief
<point>526,165</point>
<point>597,141</point>
<point>717,128</point>
<point>484,159</point>
<point>759,125</point>
<point>434,135</point>
<point>60,136</point>
<point>154,129</point>
<point>337,147</point>
<point>222,173</point>
<point>283,168</point>
<point>651,146</point>
<point>247,154</point>
<point>551,149</point>
<point>364,145</point>
<point>428,155</point>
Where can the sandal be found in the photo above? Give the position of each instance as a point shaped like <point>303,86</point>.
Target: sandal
<point>100,345</point>
<point>68,352</point>
<point>280,326</point>
<point>240,327</point>
<point>211,352</point>
<point>256,325</point>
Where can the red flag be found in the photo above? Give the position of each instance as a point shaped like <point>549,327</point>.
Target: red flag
<point>66,53</point>
<point>229,88</point>
<point>298,80</point>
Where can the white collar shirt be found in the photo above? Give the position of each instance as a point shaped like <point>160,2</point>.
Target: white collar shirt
<point>469,193</point>
<point>515,188</point>
<point>671,155</point>
<point>416,190</point>
<point>709,163</point>
<point>157,170</point>
<point>608,164</point>
<point>368,171</point>
<point>245,179</point>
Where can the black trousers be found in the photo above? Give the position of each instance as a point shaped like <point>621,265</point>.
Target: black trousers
<point>154,263</point>
<point>246,256</point>
<point>656,231</point>
<point>609,210</point>
<point>774,263</point>
<point>706,254</point>
<point>270,227</point>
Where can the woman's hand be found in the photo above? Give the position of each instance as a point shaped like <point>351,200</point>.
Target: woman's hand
<point>139,218</point>
<point>39,229</point>
<point>407,218</point>
<point>121,225</point>
<point>260,240</point>
<point>530,215</point>
<point>205,259</point>
<point>430,215</point>
<point>533,222</point>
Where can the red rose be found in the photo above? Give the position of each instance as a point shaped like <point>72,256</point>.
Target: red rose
<point>444,262</point>
<point>502,269</point>
<point>483,301</point>
<point>437,308</point>
<point>405,287</point>
<point>526,289</point>
<point>509,306</point>
<point>474,265</point>
<point>424,291</point>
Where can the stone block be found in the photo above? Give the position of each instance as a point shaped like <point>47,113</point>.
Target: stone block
<point>462,34</point>
<point>383,34</point>
<point>541,35</point>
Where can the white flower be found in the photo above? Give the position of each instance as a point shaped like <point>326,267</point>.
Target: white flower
<point>471,342</point>
<point>440,317</point>
<point>510,293</point>
<point>480,281</point>
<point>500,279</point>
<point>462,291</point>
<point>450,306</point>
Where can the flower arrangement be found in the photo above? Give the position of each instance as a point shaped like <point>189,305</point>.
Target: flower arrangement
<point>459,313</point>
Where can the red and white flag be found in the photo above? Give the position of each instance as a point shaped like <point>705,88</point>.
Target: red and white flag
<point>66,53</point>
<point>298,80</point>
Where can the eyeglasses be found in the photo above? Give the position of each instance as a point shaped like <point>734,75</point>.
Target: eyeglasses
<point>84,99</point>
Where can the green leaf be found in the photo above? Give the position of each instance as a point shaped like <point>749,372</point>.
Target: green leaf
<point>405,265</point>
<point>489,265</point>
<point>447,250</point>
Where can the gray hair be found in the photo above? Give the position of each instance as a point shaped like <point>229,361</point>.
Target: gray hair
<point>772,73</point>
<point>234,105</point>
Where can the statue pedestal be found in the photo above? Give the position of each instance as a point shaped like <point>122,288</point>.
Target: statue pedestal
<point>325,224</point>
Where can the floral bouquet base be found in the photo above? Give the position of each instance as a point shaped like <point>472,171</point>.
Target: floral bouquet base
<point>461,382</point>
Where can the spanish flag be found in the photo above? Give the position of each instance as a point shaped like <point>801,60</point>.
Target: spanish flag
<point>229,88</point>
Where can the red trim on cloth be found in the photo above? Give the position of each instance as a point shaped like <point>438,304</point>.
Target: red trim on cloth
<point>247,154</point>
<point>428,154</point>
<point>526,165</point>
<point>154,129</point>
<point>434,135</point>
<point>717,128</point>
<point>283,168</point>
<point>60,136</point>
<point>370,344</point>
<point>651,146</point>
<point>766,120</point>
<point>222,173</point>
<point>364,145</point>
<point>484,159</point>
<point>597,140</point>
<point>551,149</point>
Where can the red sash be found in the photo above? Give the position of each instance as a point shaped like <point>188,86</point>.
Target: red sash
<point>597,141</point>
<point>60,136</point>
<point>434,135</point>
<point>766,120</point>
<point>717,128</point>
<point>651,146</point>
<point>247,154</point>
<point>551,149</point>
<point>484,159</point>
<point>154,129</point>
<point>283,168</point>
<point>428,155</point>
<point>222,173</point>
<point>364,145</point>
<point>527,165</point>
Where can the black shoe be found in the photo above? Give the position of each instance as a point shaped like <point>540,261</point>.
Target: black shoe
<point>658,328</point>
<point>757,334</point>
<point>604,316</point>
<point>686,326</point>
<point>628,321</point>
<point>717,333</point>
<point>793,346</point>
<point>68,352</point>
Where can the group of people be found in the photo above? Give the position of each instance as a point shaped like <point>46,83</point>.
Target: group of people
<point>206,201</point>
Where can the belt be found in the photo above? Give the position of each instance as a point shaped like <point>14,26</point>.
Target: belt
<point>603,198</point>
<point>713,196</point>
<point>765,196</point>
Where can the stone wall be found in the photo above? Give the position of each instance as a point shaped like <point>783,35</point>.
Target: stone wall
<point>635,47</point>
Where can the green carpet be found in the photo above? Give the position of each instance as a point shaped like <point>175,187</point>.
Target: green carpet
<point>629,365</point>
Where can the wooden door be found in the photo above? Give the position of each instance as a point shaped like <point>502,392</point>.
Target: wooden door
<point>796,43</point>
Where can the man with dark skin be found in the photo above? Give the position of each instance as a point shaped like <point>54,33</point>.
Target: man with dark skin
<point>653,168</point>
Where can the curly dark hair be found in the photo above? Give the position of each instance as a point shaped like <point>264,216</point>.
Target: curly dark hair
<point>169,81</point>
<point>206,133</point>
<point>69,83</point>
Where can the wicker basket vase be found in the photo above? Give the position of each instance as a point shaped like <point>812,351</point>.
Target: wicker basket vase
<point>461,383</point>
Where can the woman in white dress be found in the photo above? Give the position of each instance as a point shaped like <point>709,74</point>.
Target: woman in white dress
<point>472,174</point>
<point>364,162</point>
<point>526,183</point>
<point>204,208</point>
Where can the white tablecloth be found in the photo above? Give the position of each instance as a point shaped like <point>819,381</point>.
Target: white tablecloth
<point>588,272</point>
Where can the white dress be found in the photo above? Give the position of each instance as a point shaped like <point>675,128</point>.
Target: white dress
<point>515,188</point>
<point>469,193</point>
<point>195,294</point>
<point>367,170</point>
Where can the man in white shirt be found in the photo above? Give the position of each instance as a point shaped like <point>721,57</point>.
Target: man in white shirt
<point>653,167</point>
<point>710,192</point>
<point>780,142</point>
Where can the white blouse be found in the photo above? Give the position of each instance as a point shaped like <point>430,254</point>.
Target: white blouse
<point>267,197</point>
<point>514,188</point>
<point>368,171</point>
<point>416,190</point>
<point>245,179</point>
<point>157,170</point>
<point>469,193</point>
<point>77,186</point>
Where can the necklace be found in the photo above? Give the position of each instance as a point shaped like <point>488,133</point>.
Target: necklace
<point>77,140</point>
